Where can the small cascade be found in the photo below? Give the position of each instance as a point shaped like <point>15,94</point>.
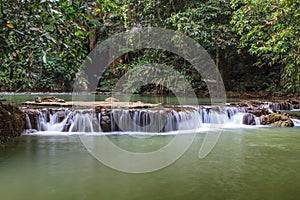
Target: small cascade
<point>138,120</point>
<point>28,122</point>
<point>53,120</point>
<point>296,122</point>
<point>222,115</point>
<point>153,120</point>
<point>238,118</point>
<point>188,120</point>
<point>84,121</point>
<point>286,105</point>
<point>257,120</point>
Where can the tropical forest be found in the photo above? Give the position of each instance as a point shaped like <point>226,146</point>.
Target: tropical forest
<point>254,44</point>
<point>149,99</point>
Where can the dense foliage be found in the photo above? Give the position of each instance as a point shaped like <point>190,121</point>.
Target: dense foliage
<point>44,42</point>
<point>271,30</point>
<point>41,43</point>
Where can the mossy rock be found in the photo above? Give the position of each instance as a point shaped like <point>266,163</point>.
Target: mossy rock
<point>276,120</point>
<point>12,122</point>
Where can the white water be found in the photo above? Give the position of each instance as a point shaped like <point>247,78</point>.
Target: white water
<point>139,121</point>
<point>83,121</point>
<point>296,122</point>
<point>204,129</point>
<point>29,126</point>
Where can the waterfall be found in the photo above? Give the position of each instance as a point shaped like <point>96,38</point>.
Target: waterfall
<point>53,121</point>
<point>84,121</point>
<point>134,120</point>
<point>221,115</point>
<point>280,106</point>
<point>257,120</point>
<point>153,120</point>
<point>238,118</point>
<point>28,122</point>
<point>188,120</point>
<point>296,122</point>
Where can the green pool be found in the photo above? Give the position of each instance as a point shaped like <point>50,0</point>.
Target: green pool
<point>246,163</point>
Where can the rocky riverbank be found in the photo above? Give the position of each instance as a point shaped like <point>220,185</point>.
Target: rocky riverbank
<point>12,122</point>
<point>275,114</point>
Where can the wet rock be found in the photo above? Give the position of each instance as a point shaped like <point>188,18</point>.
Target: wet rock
<point>249,119</point>
<point>105,123</point>
<point>112,99</point>
<point>287,123</point>
<point>264,120</point>
<point>61,115</point>
<point>284,118</point>
<point>48,99</point>
<point>32,118</point>
<point>295,115</point>
<point>259,111</point>
<point>249,104</point>
<point>276,120</point>
<point>38,99</point>
<point>284,105</point>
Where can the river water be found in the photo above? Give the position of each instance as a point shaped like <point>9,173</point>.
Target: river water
<point>246,163</point>
<point>22,97</point>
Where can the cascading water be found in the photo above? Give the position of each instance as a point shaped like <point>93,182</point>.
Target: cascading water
<point>28,122</point>
<point>222,115</point>
<point>153,120</point>
<point>273,106</point>
<point>134,120</point>
<point>296,122</point>
<point>53,120</point>
<point>257,120</point>
<point>85,121</point>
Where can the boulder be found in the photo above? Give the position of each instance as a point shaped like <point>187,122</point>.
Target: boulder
<point>249,119</point>
<point>259,111</point>
<point>38,99</point>
<point>32,118</point>
<point>105,123</point>
<point>276,120</point>
<point>112,99</point>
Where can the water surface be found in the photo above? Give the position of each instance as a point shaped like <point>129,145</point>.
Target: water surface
<point>22,97</point>
<point>255,163</point>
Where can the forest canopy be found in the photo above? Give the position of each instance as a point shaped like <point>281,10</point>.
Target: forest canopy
<point>255,44</point>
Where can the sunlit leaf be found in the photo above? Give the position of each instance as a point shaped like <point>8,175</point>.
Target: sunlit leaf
<point>10,25</point>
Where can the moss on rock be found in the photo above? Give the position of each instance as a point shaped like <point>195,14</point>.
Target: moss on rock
<point>276,120</point>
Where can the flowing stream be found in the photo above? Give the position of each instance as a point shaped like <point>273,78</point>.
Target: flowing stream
<point>136,120</point>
